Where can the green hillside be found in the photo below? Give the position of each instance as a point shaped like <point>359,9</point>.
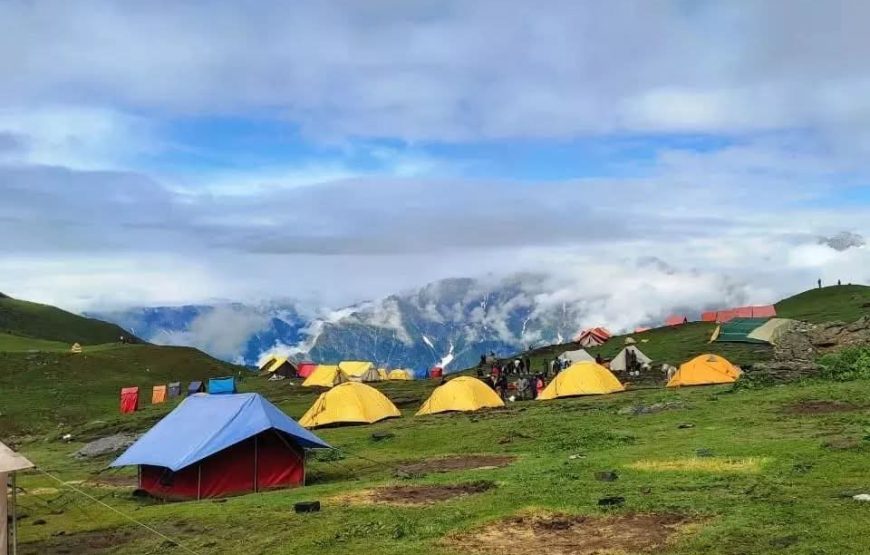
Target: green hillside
<point>839,302</point>
<point>47,390</point>
<point>679,344</point>
<point>41,321</point>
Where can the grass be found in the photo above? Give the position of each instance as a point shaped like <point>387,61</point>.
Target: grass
<point>777,480</point>
<point>26,319</point>
<point>771,477</point>
<point>681,343</point>
<point>846,303</point>
<point>53,389</point>
<point>17,344</point>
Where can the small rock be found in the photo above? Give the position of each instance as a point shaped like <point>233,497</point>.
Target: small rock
<point>379,436</point>
<point>842,443</point>
<point>307,507</point>
<point>576,456</point>
<point>106,446</point>
<point>39,522</point>
<point>614,501</point>
<point>861,497</point>
<point>784,541</point>
<point>704,453</point>
<point>59,533</point>
<point>685,426</point>
<point>606,476</point>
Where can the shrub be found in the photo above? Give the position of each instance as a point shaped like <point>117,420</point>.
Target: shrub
<point>852,363</point>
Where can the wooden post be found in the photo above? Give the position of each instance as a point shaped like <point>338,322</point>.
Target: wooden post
<point>4,513</point>
<point>14,517</point>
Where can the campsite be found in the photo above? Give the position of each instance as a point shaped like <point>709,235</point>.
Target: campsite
<point>639,467</point>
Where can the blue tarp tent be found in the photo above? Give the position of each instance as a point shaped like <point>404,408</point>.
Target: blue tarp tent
<point>218,386</point>
<point>208,446</point>
<point>204,424</point>
<point>195,387</point>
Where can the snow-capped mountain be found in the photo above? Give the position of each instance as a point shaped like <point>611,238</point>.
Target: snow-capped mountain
<point>448,323</point>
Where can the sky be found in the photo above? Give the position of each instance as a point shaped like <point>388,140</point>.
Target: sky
<point>337,151</point>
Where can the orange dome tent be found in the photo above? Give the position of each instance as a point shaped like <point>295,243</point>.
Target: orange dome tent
<point>704,370</point>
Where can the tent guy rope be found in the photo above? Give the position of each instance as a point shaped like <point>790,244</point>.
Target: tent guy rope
<point>113,509</point>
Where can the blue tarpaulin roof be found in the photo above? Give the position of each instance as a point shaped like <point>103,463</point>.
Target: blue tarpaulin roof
<point>217,386</point>
<point>203,424</point>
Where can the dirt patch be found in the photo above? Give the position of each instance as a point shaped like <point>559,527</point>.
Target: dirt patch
<point>451,464</point>
<point>559,534</point>
<point>820,407</point>
<point>102,541</point>
<point>416,495</point>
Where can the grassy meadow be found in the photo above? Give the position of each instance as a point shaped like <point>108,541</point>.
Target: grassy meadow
<point>743,471</point>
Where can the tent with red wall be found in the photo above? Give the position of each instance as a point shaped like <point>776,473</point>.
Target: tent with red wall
<point>219,445</point>
<point>129,399</point>
<point>305,368</point>
<point>675,320</point>
<point>709,316</point>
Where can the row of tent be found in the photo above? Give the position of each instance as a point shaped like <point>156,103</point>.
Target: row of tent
<point>328,375</point>
<point>160,393</point>
<point>218,445</point>
<point>357,403</point>
<point>722,316</point>
<point>620,362</point>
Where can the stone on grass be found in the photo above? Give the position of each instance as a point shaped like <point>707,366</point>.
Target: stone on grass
<point>106,445</point>
<point>606,476</point>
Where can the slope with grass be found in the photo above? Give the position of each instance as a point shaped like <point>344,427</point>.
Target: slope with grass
<point>675,345</point>
<point>62,391</point>
<point>39,321</point>
<point>845,303</point>
<point>779,468</point>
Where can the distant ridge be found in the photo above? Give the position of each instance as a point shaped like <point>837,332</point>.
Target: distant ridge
<point>39,321</point>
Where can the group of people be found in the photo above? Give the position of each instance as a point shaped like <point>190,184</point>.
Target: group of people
<point>528,384</point>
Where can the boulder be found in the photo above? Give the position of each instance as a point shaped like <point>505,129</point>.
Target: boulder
<point>106,445</point>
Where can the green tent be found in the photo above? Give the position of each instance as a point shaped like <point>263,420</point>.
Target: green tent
<point>739,329</point>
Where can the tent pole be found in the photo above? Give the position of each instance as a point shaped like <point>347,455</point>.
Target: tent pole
<point>256,448</point>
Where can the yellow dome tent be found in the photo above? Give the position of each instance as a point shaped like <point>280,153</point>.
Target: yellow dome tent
<point>76,348</point>
<point>582,378</point>
<point>704,370</point>
<point>359,371</point>
<point>400,375</point>
<point>463,394</point>
<point>325,375</point>
<point>349,403</point>
<point>268,363</point>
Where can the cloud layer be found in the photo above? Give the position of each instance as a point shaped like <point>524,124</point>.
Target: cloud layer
<point>374,147</point>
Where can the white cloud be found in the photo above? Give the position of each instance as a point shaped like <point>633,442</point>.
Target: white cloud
<point>454,70</point>
<point>76,137</point>
<point>222,331</point>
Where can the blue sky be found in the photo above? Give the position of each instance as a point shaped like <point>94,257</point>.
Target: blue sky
<point>407,142</point>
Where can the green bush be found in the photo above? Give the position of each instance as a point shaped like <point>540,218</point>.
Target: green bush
<point>849,364</point>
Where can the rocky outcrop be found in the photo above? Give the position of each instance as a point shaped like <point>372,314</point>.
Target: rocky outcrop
<point>796,351</point>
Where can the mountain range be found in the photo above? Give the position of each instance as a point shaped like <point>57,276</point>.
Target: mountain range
<point>448,323</point>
